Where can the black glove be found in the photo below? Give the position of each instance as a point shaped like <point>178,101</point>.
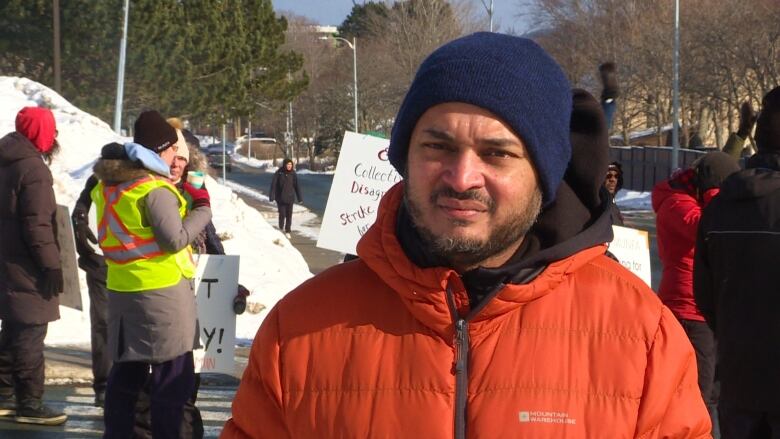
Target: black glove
<point>747,118</point>
<point>53,283</point>
<point>84,235</point>
<point>239,302</point>
<point>609,82</point>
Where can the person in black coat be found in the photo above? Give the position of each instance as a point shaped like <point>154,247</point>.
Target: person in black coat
<point>613,182</point>
<point>735,285</point>
<point>30,268</point>
<point>285,190</point>
<point>94,265</point>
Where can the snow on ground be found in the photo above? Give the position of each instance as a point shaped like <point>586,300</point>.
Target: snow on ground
<point>268,165</point>
<point>270,265</point>
<point>633,200</point>
<point>254,163</point>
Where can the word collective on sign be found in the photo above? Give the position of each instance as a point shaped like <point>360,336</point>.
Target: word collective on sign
<point>372,173</point>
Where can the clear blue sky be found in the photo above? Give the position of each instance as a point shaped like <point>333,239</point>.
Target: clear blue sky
<point>333,12</point>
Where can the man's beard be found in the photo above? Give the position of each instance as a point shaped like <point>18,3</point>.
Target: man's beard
<point>470,252</point>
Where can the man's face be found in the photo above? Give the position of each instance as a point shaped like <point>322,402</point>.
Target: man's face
<point>177,168</point>
<point>288,166</point>
<point>471,189</point>
<point>169,154</point>
<point>611,181</point>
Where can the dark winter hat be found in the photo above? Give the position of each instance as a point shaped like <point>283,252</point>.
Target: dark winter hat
<point>510,76</point>
<point>712,168</point>
<point>590,148</point>
<point>617,167</point>
<point>153,132</point>
<point>113,151</point>
<point>190,138</point>
<point>768,123</point>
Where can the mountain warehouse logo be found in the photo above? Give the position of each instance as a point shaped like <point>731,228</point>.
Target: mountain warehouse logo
<point>544,417</point>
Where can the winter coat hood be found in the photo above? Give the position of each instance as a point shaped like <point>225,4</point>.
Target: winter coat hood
<point>663,192</point>
<point>14,147</point>
<point>37,124</point>
<point>283,168</point>
<point>760,179</point>
<point>113,172</point>
<point>677,218</point>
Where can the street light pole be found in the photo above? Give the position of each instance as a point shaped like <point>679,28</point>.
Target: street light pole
<point>676,90</point>
<point>352,45</point>
<point>354,79</point>
<point>120,80</point>
<point>489,10</point>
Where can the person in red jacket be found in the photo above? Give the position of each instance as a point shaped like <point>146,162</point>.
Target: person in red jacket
<point>482,303</point>
<point>678,203</point>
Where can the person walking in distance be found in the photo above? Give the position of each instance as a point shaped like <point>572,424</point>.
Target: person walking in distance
<point>30,268</point>
<point>285,190</point>
<point>483,303</point>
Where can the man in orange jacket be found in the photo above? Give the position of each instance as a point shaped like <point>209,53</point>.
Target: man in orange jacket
<point>482,303</point>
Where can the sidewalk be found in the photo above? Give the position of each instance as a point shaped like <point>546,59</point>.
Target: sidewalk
<point>318,259</point>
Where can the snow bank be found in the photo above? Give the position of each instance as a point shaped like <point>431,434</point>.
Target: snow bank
<point>633,200</point>
<point>270,265</point>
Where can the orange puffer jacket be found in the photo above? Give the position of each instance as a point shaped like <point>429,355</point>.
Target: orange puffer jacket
<point>371,349</point>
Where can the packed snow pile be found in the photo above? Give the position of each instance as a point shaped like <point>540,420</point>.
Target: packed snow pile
<point>270,265</point>
<point>633,200</point>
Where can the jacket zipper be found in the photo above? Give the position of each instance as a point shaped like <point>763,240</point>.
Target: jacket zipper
<point>461,367</point>
<point>461,376</point>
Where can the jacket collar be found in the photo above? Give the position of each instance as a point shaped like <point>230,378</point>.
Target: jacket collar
<point>424,291</point>
<point>112,172</point>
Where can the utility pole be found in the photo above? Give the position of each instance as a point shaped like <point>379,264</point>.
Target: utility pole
<point>676,91</point>
<point>120,79</point>
<point>489,10</point>
<point>224,152</point>
<point>57,58</point>
<point>249,138</point>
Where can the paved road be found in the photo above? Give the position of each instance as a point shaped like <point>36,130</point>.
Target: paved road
<point>314,187</point>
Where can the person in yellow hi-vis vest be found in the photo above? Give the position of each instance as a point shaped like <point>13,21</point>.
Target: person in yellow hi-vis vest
<point>145,231</point>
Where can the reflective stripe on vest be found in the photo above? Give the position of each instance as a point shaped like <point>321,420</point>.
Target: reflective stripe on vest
<point>132,247</point>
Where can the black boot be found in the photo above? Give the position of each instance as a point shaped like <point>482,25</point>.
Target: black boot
<point>100,398</point>
<point>7,406</point>
<point>33,411</point>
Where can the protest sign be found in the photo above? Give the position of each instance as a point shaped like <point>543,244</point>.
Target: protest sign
<point>363,175</point>
<point>216,283</point>
<point>632,248</point>
<point>71,291</point>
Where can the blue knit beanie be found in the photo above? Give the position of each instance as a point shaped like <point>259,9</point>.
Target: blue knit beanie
<point>510,76</point>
